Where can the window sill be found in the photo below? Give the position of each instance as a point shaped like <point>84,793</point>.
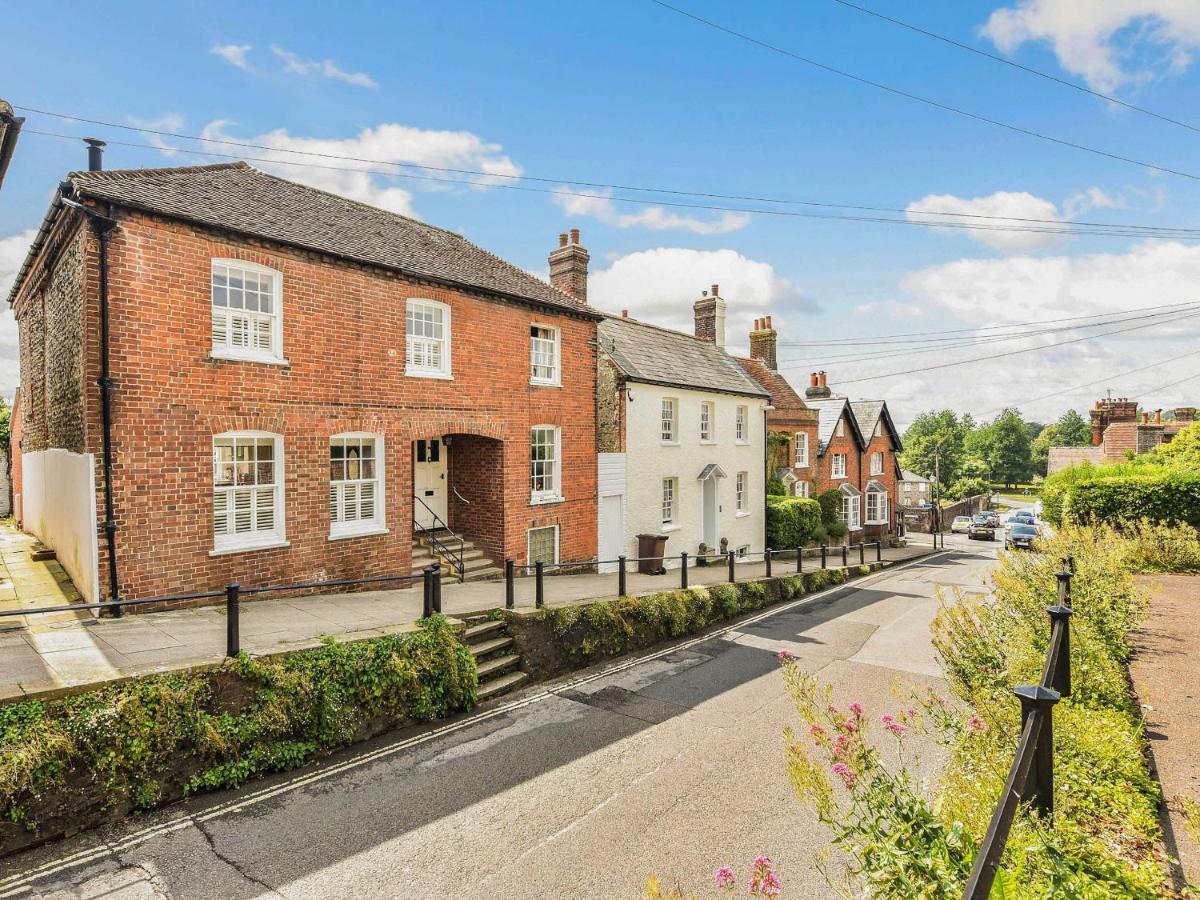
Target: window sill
<point>366,532</point>
<point>669,443</point>
<point>742,443</point>
<point>233,356</point>
<point>423,373</point>
<point>545,384</point>
<point>877,522</point>
<point>743,514</point>
<point>837,477</point>
<point>667,528</point>
<point>800,466</point>
<point>249,548</point>
<point>546,501</point>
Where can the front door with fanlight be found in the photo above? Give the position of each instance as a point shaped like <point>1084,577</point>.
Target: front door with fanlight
<point>429,483</point>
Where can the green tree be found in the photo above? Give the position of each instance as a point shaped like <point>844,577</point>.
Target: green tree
<point>5,426</point>
<point>1010,448</point>
<point>1072,430</point>
<point>939,433</point>
<point>1183,451</point>
<point>1041,448</point>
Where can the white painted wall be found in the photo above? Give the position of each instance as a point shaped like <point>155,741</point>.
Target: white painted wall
<point>649,461</point>
<point>611,489</point>
<point>59,508</point>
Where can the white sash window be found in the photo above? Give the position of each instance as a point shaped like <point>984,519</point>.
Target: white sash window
<point>247,321</point>
<point>355,484</point>
<point>247,491</point>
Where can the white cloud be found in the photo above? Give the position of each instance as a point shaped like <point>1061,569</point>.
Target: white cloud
<point>661,285</point>
<point>656,218</point>
<point>12,254</point>
<point>1083,202</point>
<point>975,293</point>
<point>234,54</point>
<point>326,68</point>
<point>387,143</point>
<point>169,122</point>
<point>1013,204</point>
<point>1097,39</point>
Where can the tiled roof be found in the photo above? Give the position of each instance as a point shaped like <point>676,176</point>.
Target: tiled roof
<point>788,404</point>
<point>906,475</point>
<point>829,411</point>
<point>657,355</point>
<point>867,412</point>
<point>239,198</point>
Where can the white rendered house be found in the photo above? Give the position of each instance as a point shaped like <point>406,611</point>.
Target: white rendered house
<point>682,440</point>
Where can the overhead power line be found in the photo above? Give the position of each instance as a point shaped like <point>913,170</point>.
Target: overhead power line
<point>994,339</point>
<point>1008,353</point>
<point>1016,65</point>
<point>928,219</point>
<point>904,337</point>
<point>917,98</point>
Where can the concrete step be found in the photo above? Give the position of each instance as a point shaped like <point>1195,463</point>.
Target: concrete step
<point>491,573</point>
<point>501,685</point>
<point>483,630</point>
<point>483,648</point>
<point>497,665</point>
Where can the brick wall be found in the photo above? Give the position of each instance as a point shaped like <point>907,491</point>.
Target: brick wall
<point>881,443</point>
<point>343,336</point>
<point>610,408</point>
<point>476,469</point>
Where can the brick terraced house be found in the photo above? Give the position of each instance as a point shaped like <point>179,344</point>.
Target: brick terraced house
<point>227,376</point>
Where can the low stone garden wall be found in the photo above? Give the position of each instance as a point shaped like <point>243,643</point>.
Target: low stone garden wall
<point>559,638</point>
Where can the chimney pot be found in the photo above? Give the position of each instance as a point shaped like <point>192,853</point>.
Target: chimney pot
<point>709,314</point>
<point>768,321</point>
<point>562,239</point>
<point>574,235</point>
<point>569,266</point>
<point>1158,417</point>
<point>812,379</point>
<point>821,376</point>
<point>624,314</point>
<point>95,154</point>
<point>762,343</point>
<point>715,290</point>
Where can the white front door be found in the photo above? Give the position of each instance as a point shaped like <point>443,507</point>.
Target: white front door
<point>612,529</point>
<point>429,482</point>
<point>710,533</point>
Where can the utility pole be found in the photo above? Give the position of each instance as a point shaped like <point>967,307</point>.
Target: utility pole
<point>937,496</point>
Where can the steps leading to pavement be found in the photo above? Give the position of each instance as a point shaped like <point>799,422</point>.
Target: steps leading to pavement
<point>495,656</point>
<point>476,565</point>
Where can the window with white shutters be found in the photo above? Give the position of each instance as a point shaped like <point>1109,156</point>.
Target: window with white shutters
<point>543,355</point>
<point>247,490</point>
<point>246,315</point>
<point>427,339</point>
<point>355,484</point>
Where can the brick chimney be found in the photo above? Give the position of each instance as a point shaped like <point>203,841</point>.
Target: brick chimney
<point>1185,415</point>
<point>817,388</point>
<point>569,266</point>
<point>762,342</point>
<point>710,317</point>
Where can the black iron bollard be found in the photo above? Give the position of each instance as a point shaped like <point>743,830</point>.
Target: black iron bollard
<point>879,551</point>
<point>732,570</point>
<point>767,557</point>
<point>539,587</point>
<point>1064,586</point>
<point>1039,789</point>
<point>437,587</point>
<point>1060,678</point>
<point>233,636</point>
<point>862,553</point>
<point>427,585</point>
<point>799,559</point>
<point>683,570</point>
<point>621,576</point>
<point>845,551</point>
<point>510,600</point>
<point>824,555</point>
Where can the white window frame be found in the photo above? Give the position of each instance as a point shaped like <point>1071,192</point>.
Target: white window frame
<point>555,344</point>
<point>877,456</point>
<point>529,542</point>
<point>225,349</point>
<point>801,450</point>
<point>741,415</point>
<point>851,507</point>
<point>800,488</point>
<point>670,504</point>
<point>706,422</point>
<point>358,527</point>
<point>671,437</point>
<point>834,467</point>
<point>554,494</point>
<point>230,542</point>
<point>740,483</point>
<point>882,512</point>
<point>420,371</point>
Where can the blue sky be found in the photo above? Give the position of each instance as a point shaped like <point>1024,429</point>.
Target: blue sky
<point>628,92</point>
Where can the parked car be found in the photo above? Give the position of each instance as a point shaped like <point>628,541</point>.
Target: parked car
<point>981,528</point>
<point>1021,537</point>
<point>961,524</point>
<point>993,518</point>
<point>1021,518</point>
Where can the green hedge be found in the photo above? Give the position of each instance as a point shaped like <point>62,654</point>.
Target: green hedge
<point>791,522</point>
<point>831,506</point>
<point>1156,495</point>
<point>94,756</point>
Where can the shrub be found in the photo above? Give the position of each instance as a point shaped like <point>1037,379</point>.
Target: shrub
<point>776,488</point>
<point>837,530</point>
<point>791,522</point>
<point>163,735</point>
<point>831,506</point>
<point>1154,494</point>
<point>1155,547</point>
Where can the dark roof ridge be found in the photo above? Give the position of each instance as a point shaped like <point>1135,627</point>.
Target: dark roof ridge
<point>163,170</point>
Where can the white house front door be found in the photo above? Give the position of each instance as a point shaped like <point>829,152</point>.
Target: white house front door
<point>429,481</point>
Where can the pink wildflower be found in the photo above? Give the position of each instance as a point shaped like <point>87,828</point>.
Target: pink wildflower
<point>785,656</point>
<point>725,879</point>
<point>818,734</point>
<point>844,772</point>
<point>893,726</point>
<point>772,886</point>
<point>849,725</point>
<point>856,710</point>
<point>763,880</point>
<point>976,724</point>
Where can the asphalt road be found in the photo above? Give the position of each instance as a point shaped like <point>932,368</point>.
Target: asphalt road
<point>670,763</point>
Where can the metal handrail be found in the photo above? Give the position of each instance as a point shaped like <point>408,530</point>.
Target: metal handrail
<point>440,546</point>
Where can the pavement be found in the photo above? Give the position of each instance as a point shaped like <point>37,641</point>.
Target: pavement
<point>1163,670</point>
<point>43,656</point>
<point>669,763</point>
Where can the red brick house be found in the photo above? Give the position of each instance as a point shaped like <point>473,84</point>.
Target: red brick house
<point>299,386</point>
<point>1119,431</point>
